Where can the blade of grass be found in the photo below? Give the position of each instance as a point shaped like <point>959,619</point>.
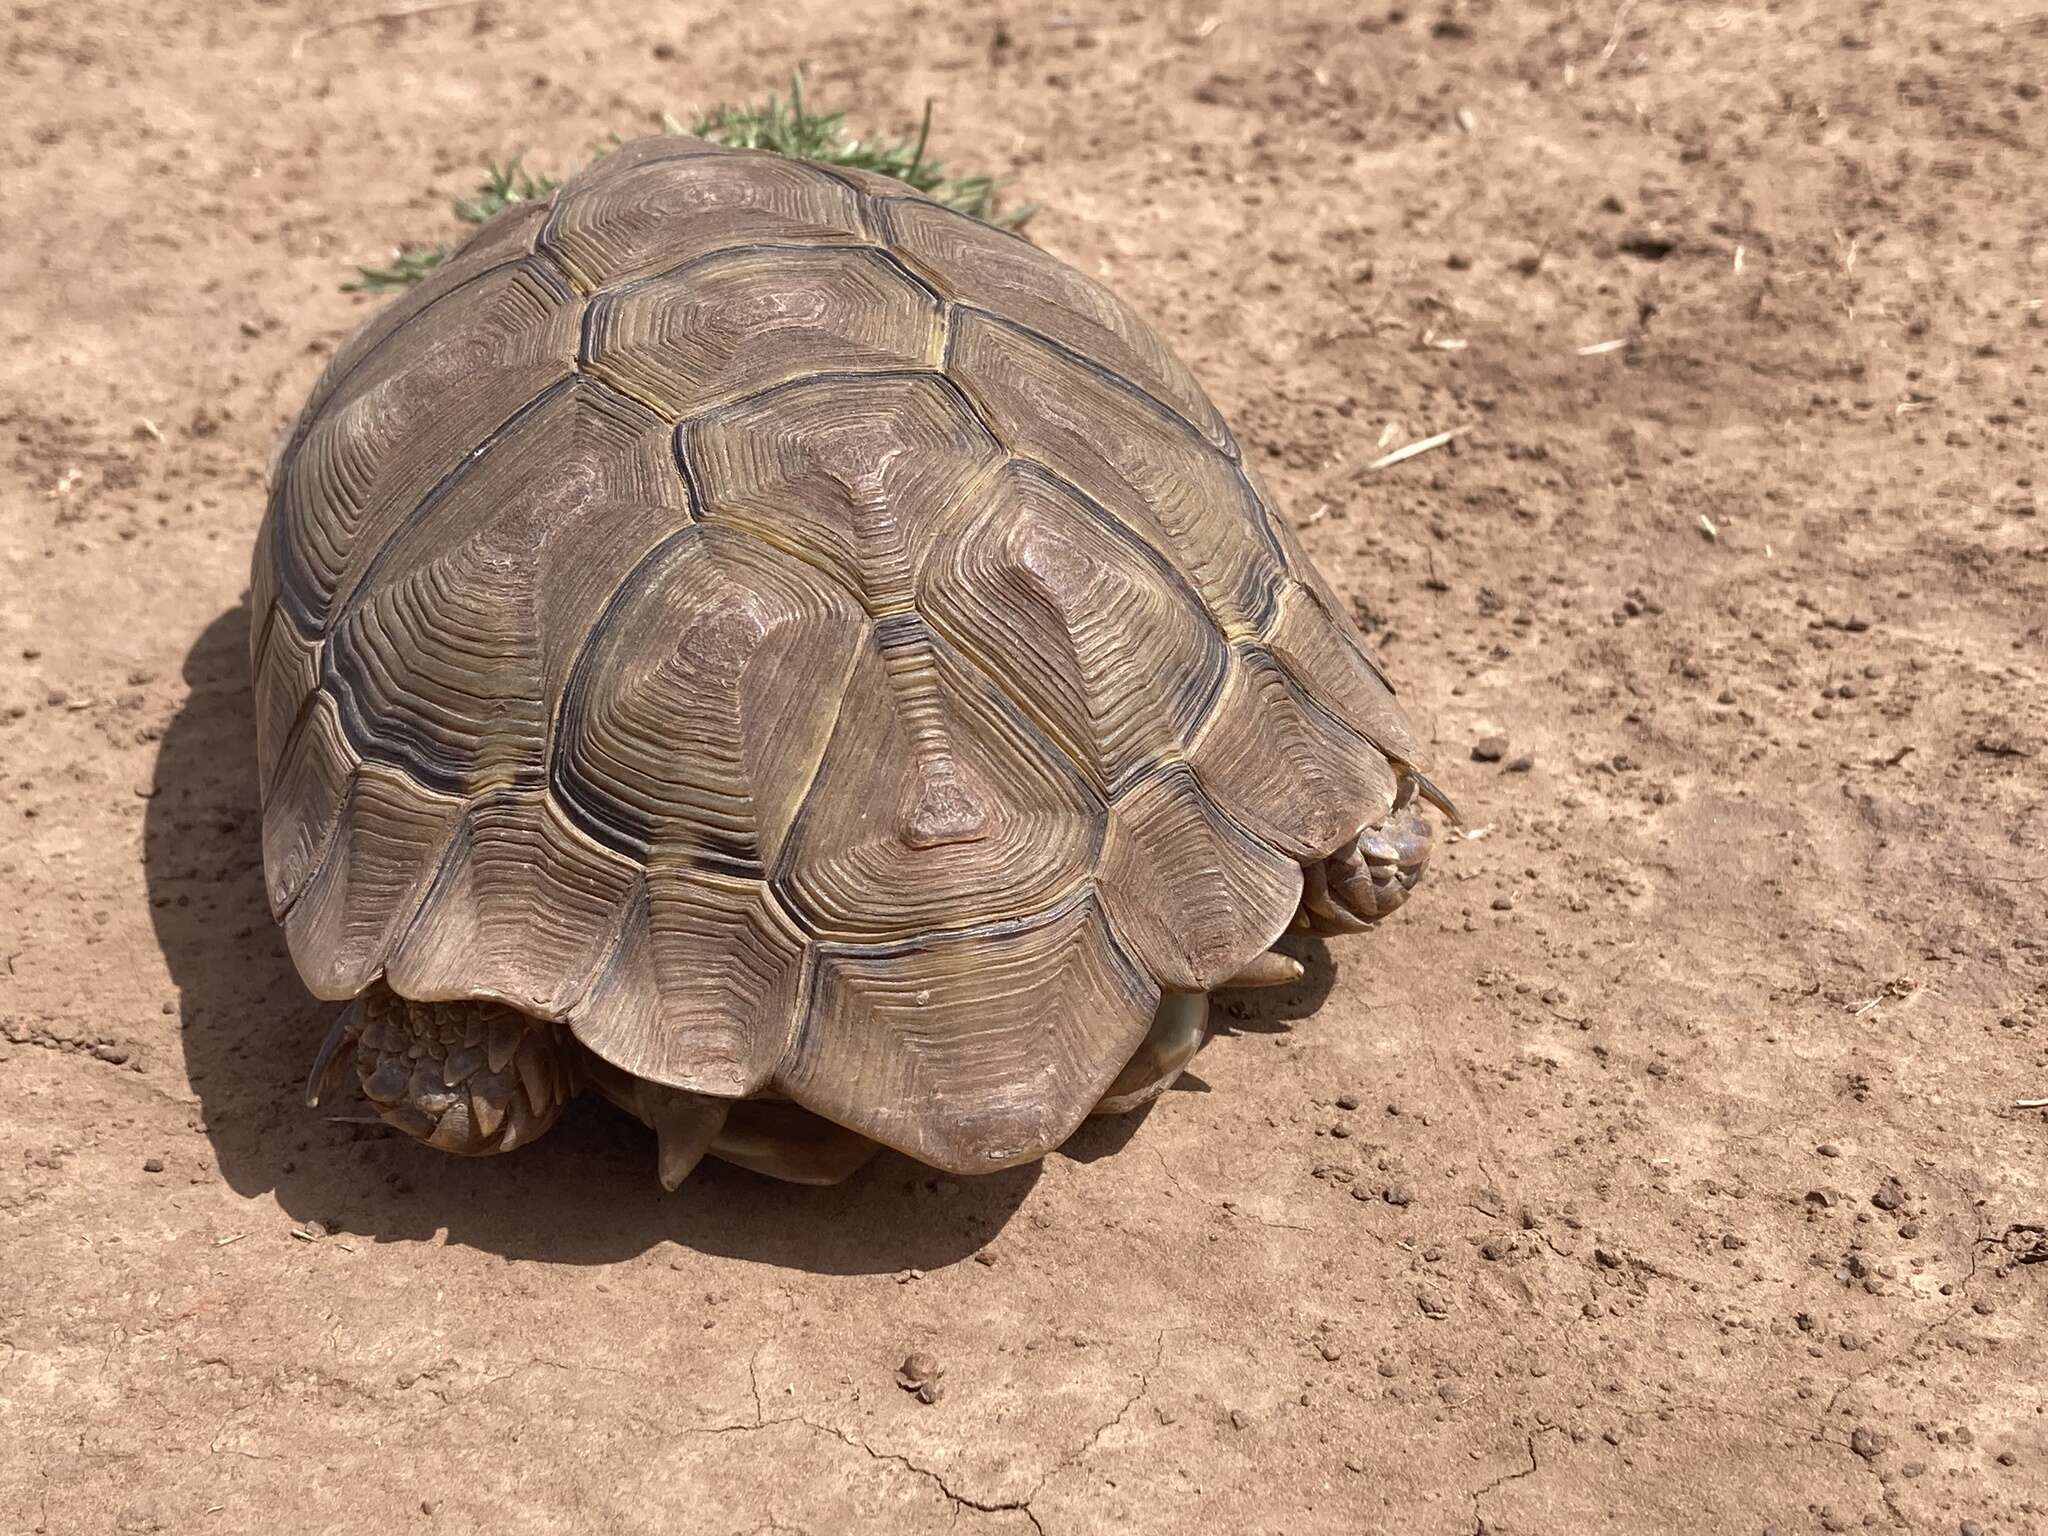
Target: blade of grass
<point>784,126</point>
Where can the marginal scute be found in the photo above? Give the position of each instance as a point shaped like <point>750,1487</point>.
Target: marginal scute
<point>500,241</point>
<point>1127,453</point>
<point>937,806</point>
<point>855,476</point>
<point>371,882</point>
<point>991,269</point>
<point>695,719</point>
<point>632,215</point>
<point>1326,657</point>
<point>526,909</point>
<point>745,320</point>
<point>287,673</point>
<point>1278,766</point>
<point>971,1051</point>
<point>1303,572</point>
<point>407,417</point>
<point>1093,634</point>
<point>304,803</point>
<point>703,989</point>
<point>1191,896</point>
<point>451,651</point>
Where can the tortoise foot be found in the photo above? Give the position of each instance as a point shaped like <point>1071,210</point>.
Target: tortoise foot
<point>1178,1030</point>
<point>786,1141</point>
<point>768,1136</point>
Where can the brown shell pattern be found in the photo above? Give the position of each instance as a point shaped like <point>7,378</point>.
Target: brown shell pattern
<point>805,639</point>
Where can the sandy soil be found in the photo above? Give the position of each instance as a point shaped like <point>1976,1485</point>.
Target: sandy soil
<point>1656,1170</point>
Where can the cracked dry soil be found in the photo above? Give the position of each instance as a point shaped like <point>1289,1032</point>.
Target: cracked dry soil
<point>1655,1170</point>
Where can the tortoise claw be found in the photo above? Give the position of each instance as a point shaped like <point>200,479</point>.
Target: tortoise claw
<point>685,1125</point>
<point>332,1061</point>
<point>1269,968</point>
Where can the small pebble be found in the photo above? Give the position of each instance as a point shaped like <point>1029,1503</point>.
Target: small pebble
<point>1522,763</point>
<point>1503,902</point>
<point>1330,1350</point>
<point>1489,749</point>
<point>1828,1149</point>
<point>919,1375</point>
<point>1864,1443</point>
<point>152,1165</point>
<point>1347,1101</point>
<point>1398,1194</point>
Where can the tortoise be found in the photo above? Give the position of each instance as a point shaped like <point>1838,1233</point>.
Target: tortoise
<point>807,664</point>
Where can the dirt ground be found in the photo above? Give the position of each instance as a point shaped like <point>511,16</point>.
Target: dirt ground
<point>1657,1169</point>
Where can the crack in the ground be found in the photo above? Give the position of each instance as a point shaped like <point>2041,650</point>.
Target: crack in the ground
<point>958,1500</point>
<point>1144,1386</point>
<point>1529,1447</point>
<point>1919,1338</point>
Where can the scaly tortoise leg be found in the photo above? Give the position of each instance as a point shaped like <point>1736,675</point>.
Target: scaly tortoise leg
<point>767,1136</point>
<point>1371,876</point>
<point>475,1078</point>
<point>468,1077</point>
<point>1179,1027</point>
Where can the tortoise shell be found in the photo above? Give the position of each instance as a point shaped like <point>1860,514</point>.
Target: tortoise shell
<point>807,641</point>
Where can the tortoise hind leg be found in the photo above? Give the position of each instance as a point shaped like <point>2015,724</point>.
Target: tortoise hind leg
<point>767,1136</point>
<point>468,1077</point>
<point>1178,1030</point>
<point>786,1141</point>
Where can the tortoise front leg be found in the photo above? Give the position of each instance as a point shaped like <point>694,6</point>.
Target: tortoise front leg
<point>468,1077</point>
<point>1371,875</point>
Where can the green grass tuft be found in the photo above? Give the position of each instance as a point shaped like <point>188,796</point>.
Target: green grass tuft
<point>785,127</point>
